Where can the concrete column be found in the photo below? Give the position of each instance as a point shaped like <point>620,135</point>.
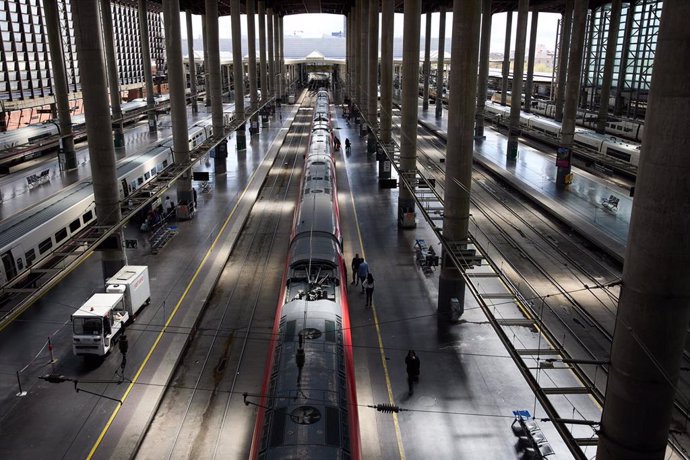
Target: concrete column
<point>372,103</point>
<point>192,64</point>
<point>262,51</point>
<point>271,62</point>
<point>348,66</point>
<point>113,80</point>
<point>441,61</point>
<point>427,62</point>
<point>364,64</point>
<point>653,313</point>
<point>87,31</point>
<point>146,59</point>
<point>518,67</point>
<point>563,57</point>
<point>387,15</point>
<point>572,91</point>
<point>459,148</point>
<point>354,43</point>
<point>623,67</point>
<point>530,61</point>
<point>276,55</point>
<point>410,95</point>
<point>59,85</point>
<point>251,49</point>
<point>281,80</point>
<point>483,69</point>
<point>204,39</point>
<point>238,72</point>
<point>611,44</point>
<point>214,93</point>
<point>178,103</point>
<point>506,58</point>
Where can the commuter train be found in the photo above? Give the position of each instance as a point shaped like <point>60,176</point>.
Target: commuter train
<point>603,144</point>
<point>35,135</point>
<point>36,232</point>
<point>308,406</point>
<point>632,130</point>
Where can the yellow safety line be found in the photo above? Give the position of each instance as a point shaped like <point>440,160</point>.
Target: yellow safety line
<point>398,435</point>
<point>167,323</point>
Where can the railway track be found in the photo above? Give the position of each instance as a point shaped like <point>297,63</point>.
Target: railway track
<point>202,414</point>
<point>570,286</point>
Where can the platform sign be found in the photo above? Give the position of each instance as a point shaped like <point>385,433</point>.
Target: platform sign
<point>522,413</point>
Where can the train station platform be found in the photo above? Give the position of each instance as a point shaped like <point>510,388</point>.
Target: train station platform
<point>462,406</point>
<point>183,274</point>
<point>583,205</point>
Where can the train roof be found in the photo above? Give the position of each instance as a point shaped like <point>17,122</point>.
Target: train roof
<point>12,228</point>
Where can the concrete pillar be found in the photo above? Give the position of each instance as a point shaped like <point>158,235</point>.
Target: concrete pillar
<point>518,67</point>
<point>348,56</point>
<point>59,85</point>
<point>563,58</point>
<point>387,18</point>
<point>178,103</point>
<point>204,40</point>
<point>623,67</point>
<point>372,103</point>
<point>356,62</point>
<point>653,313</point>
<point>251,49</point>
<point>530,61</point>
<point>276,55</point>
<point>611,44</point>
<point>410,95</point>
<point>364,64</point>
<point>271,62</point>
<point>506,58</point>
<point>427,62</point>
<point>441,61</point>
<point>192,64</point>
<point>213,80</point>
<point>238,72</point>
<point>572,91</point>
<point>262,51</point>
<point>281,41</point>
<point>459,148</point>
<point>87,32</point>
<point>113,80</point>
<point>483,69</point>
<point>146,59</point>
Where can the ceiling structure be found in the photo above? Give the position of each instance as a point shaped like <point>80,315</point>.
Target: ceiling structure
<point>287,7</point>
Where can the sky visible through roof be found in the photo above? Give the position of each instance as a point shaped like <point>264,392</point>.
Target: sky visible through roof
<point>318,25</point>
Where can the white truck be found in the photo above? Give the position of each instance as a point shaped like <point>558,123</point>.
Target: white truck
<point>98,324</point>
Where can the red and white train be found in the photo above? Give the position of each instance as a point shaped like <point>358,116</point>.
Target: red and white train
<point>308,407</point>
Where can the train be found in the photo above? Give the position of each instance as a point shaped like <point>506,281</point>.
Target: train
<point>33,137</point>
<point>604,144</point>
<point>632,130</point>
<point>308,407</point>
<point>33,234</point>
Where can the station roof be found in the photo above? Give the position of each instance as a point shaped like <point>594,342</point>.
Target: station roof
<point>287,7</point>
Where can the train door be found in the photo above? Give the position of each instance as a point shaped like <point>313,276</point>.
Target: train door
<point>125,189</point>
<point>9,267</point>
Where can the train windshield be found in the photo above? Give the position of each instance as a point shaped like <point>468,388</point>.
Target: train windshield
<point>88,326</point>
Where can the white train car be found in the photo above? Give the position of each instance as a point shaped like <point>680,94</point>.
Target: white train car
<point>34,233</point>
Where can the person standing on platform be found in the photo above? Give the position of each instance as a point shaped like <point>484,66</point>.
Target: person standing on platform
<point>362,272</point>
<point>412,363</point>
<point>194,190</point>
<point>369,287</point>
<point>356,260</point>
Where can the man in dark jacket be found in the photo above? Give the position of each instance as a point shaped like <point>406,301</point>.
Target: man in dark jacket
<point>412,363</point>
<point>356,261</point>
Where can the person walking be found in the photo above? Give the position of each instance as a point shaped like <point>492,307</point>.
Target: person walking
<point>412,363</point>
<point>369,287</point>
<point>347,145</point>
<point>356,260</point>
<point>362,272</point>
